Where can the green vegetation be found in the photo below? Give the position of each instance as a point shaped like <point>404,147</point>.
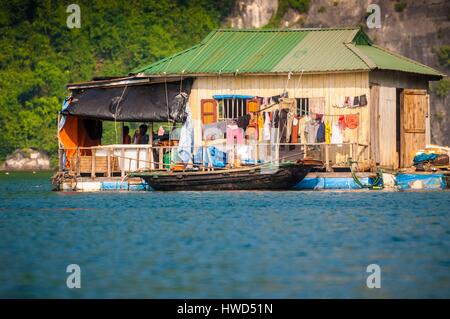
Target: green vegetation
<point>302,6</point>
<point>442,88</point>
<point>443,53</point>
<point>400,6</point>
<point>39,54</point>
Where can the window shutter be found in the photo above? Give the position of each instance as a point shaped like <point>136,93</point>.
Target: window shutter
<point>253,105</point>
<point>209,111</point>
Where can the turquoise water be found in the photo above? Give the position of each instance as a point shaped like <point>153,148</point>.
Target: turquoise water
<point>221,244</point>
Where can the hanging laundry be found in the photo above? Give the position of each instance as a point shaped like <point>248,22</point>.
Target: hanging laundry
<point>234,131</point>
<point>252,128</point>
<point>186,142</point>
<point>260,127</point>
<point>267,127</point>
<point>215,130</point>
<point>283,123</point>
<point>243,121</point>
<point>317,105</point>
<point>342,121</point>
<point>275,99</point>
<point>321,133</point>
<point>302,128</point>
<point>350,101</point>
<point>347,101</point>
<point>363,100</point>
<point>318,117</point>
<point>327,132</point>
<point>294,134</point>
<point>276,119</point>
<point>351,121</point>
<point>290,119</point>
<point>311,128</point>
<point>161,131</point>
<point>274,136</point>
<point>341,102</point>
<point>336,133</point>
<point>356,101</point>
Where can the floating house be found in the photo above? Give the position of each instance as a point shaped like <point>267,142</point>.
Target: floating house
<point>345,100</point>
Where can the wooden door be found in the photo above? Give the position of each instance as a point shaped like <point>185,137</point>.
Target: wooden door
<point>413,111</point>
<point>209,111</point>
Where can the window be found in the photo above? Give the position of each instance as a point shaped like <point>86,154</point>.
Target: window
<point>232,108</point>
<point>302,106</point>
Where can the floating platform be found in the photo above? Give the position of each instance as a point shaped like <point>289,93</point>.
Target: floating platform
<point>312,181</point>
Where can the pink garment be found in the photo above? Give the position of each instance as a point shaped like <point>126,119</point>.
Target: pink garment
<point>233,131</point>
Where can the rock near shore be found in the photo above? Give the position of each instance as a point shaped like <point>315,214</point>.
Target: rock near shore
<point>26,160</point>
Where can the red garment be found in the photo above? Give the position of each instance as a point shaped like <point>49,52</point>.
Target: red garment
<point>351,121</point>
<point>342,121</point>
<point>294,135</point>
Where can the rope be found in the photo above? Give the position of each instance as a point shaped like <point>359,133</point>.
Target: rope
<point>373,185</point>
<point>115,112</point>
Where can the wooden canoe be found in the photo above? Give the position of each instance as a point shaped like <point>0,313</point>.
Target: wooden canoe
<point>281,177</point>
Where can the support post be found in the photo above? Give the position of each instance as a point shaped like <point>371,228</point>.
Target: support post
<point>151,165</point>
<point>137,158</point>
<point>109,163</point>
<point>78,162</point>
<point>93,163</point>
<point>122,167</point>
<point>327,157</point>
<point>60,155</point>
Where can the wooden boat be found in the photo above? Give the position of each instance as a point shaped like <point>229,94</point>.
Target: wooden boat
<point>261,177</point>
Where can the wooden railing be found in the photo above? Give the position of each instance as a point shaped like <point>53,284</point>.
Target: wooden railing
<point>118,160</point>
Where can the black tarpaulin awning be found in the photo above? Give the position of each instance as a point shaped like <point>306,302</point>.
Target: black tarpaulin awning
<point>156,102</point>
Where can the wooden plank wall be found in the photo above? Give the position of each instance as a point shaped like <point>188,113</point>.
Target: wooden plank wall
<point>389,81</point>
<point>331,86</point>
<point>387,123</point>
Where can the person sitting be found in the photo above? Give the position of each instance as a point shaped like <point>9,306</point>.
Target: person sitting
<point>143,134</point>
<point>137,137</point>
<point>126,139</point>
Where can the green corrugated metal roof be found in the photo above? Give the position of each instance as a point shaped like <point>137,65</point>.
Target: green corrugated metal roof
<point>386,60</point>
<point>283,51</point>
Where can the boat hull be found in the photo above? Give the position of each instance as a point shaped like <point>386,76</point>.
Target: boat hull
<point>257,178</point>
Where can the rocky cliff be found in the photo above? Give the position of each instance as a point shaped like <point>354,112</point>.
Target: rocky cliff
<point>416,29</point>
<point>26,160</point>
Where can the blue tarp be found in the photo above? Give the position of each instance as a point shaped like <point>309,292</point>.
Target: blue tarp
<point>232,96</point>
<point>424,158</point>
<point>331,183</point>
<point>421,181</point>
<point>218,157</point>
